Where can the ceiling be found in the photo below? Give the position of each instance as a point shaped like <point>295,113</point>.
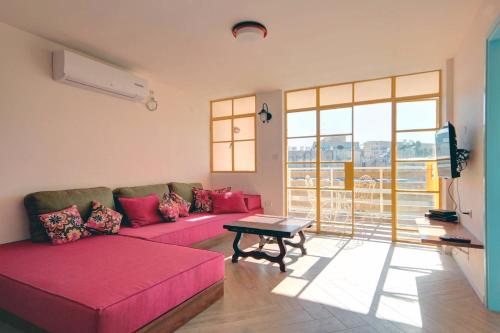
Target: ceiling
<point>188,43</point>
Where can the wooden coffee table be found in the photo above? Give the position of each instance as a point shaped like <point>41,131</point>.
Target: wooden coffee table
<point>269,228</point>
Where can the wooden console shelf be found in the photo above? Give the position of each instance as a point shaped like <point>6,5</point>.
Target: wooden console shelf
<point>430,230</point>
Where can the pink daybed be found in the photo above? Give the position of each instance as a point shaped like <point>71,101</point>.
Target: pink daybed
<point>101,284</point>
<point>142,279</point>
<point>186,231</point>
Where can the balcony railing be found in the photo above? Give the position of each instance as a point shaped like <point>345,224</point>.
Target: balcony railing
<point>372,192</point>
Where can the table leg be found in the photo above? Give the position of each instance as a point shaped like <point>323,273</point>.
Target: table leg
<point>279,259</point>
<point>281,256</point>
<point>236,247</point>
<point>262,242</point>
<point>300,244</point>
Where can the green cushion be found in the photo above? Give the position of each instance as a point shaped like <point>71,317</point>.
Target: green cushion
<point>185,190</point>
<point>51,201</point>
<point>141,191</point>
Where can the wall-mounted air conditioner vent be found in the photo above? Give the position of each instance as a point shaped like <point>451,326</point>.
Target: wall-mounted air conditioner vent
<point>80,71</point>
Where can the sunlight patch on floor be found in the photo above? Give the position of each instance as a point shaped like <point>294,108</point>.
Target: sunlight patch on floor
<point>370,278</point>
<point>290,287</point>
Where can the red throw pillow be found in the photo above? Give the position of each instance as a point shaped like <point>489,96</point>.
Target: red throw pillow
<point>64,226</point>
<point>203,200</point>
<point>103,220</point>
<point>229,202</point>
<point>141,211</point>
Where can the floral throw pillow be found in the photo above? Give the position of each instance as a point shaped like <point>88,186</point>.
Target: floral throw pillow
<point>184,205</point>
<point>64,226</point>
<point>103,220</point>
<point>169,209</point>
<point>202,199</point>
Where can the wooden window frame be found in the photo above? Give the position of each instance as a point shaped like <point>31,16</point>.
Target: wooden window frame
<point>232,117</point>
<point>394,131</point>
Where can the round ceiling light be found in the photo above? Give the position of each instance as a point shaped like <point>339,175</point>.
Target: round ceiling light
<point>249,30</point>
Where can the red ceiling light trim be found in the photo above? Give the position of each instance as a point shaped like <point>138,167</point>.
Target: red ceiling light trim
<point>249,25</point>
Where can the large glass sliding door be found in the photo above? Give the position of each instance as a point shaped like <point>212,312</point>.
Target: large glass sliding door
<point>360,156</point>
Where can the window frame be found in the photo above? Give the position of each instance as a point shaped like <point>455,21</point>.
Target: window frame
<point>232,117</point>
<point>394,100</point>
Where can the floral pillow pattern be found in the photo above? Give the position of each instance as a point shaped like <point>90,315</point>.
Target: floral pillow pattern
<point>169,209</point>
<point>64,226</point>
<point>103,220</point>
<point>184,205</point>
<point>202,199</point>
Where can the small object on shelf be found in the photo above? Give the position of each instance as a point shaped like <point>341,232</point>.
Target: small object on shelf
<point>455,239</point>
<point>451,218</point>
<point>442,215</point>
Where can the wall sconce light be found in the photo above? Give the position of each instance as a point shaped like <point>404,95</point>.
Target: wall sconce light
<point>264,114</point>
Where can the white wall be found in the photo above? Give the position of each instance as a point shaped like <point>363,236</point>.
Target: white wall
<point>54,136</point>
<point>469,73</point>
<point>269,179</point>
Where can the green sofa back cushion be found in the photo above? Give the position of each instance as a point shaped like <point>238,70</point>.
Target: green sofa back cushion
<point>185,190</point>
<point>141,191</point>
<point>50,201</point>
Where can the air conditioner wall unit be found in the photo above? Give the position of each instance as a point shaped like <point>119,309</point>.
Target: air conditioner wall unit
<point>79,71</point>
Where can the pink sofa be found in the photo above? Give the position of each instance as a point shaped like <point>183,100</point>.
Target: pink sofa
<point>187,230</point>
<point>117,283</point>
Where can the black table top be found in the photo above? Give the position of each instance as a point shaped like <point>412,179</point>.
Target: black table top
<point>267,225</point>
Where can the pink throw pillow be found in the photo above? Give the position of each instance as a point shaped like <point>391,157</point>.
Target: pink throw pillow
<point>184,206</point>
<point>141,211</point>
<point>169,209</point>
<point>203,200</point>
<point>228,202</point>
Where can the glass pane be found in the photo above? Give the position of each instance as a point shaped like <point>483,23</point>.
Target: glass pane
<point>301,123</point>
<point>336,121</point>
<point>244,128</point>
<point>414,205</point>
<point>221,158</point>
<point>302,150</point>
<point>417,84</point>
<point>335,94</point>
<point>372,135</point>
<point>372,90</point>
<point>336,148</point>
<point>244,105</point>
<point>301,99</point>
<point>302,203</point>
<point>332,175</point>
<point>222,108</point>
<point>244,156</point>
<point>336,211</point>
<point>372,193</point>
<point>417,176</point>
<point>221,130</point>
<point>416,146</point>
<point>301,175</point>
<point>417,115</point>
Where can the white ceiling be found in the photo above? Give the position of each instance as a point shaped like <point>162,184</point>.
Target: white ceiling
<point>188,43</point>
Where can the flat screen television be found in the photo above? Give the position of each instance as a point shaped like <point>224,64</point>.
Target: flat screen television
<point>446,152</point>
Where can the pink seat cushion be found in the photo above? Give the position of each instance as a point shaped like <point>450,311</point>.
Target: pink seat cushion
<point>229,202</point>
<point>101,284</point>
<point>141,211</point>
<point>187,230</point>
